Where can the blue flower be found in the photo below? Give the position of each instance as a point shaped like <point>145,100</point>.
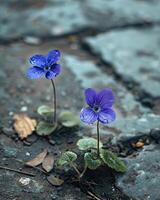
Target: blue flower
<point>99,107</point>
<point>44,66</point>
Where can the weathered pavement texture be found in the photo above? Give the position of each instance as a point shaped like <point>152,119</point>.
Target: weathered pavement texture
<point>104,43</point>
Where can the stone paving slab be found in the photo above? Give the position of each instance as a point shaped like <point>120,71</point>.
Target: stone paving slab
<point>142,179</point>
<point>59,17</point>
<point>134,55</point>
<point>41,19</point>
<point>115,13</point>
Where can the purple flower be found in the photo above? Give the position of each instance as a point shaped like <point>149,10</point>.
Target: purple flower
<point>99,107</point>
<point>44,66</point>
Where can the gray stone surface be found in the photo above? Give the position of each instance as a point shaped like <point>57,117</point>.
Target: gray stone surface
<point>141,182</point>
<point>135,126</point>
<point>134,55</point>
<point>89,75</point>
<point>115,13</point>
<point>59,17</point>
<point>40,18</point>
<point>132,118</point>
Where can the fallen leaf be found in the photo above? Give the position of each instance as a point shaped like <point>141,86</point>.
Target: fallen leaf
<point>54,180</point>
<point>38,159</point>
<point>24,125</point>
<point>48,163</point>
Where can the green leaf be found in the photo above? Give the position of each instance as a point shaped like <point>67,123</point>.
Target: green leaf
<point>113,161</point>
<point>45,128</point>
<point>68,119</point>
<point>88,143</point>
<point>67,158</point>
<point>91,160</point>
<point>44,110</point>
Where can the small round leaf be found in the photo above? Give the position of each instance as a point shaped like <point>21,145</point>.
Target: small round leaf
<point>91,160</point>
<point>45,110</point>
<point>88,143</point>
<point>113,161</point>
<point>67,158</point>
<point>45,128</point>
<point>68,119</point>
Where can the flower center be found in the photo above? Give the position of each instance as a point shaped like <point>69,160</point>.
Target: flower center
<point>47,68</point>
<point>96,108</point>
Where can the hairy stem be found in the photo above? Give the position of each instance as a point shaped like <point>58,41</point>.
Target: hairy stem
<point>54,101</point>
<point>98,140</point>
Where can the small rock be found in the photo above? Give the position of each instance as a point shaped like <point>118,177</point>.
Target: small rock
<point>8,131</point>
<point>70,141</point>
<point>24,109</point>
<point>24,181</point>
<point>52,142</point>
<point>11,113</point>
<point>155,134</point>
<point>27,143</point>
<point>32,40</point>
<point>28,154</point>
<point>32,138</point>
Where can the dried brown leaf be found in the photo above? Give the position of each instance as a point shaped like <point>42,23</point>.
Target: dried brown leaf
<point>24,125</point>
<point>38,159</point>
<point>54,180</point>
<point>138,144</point>
<point>48,163</point>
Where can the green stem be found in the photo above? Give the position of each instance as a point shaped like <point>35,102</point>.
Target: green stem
<point>54,101</point>
<point>98,140</point>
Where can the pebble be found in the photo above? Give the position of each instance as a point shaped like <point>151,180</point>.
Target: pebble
<point>24,181</point>
<point>52,142</point>
<point>32,138</point>
<point>28,154</point>
<point>24,109</point>
<point>155,134</point>
<point>32,40</point>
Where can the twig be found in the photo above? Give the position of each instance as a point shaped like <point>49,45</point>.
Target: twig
<point>93,195</point>
<point>16,170</point>
<point>76,169</point>
<point>37,168</point>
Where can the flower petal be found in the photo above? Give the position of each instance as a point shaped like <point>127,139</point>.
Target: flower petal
<point>88,116</point>
<point>38,60</point>
<point>105,98</point>
<point>50,75</point>
<point>56,68</point>
<point>106,116</point>
<point>35,72</point>
<point>53,56</point>
<point>90,95</point>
